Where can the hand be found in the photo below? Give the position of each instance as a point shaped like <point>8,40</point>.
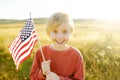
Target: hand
<point>52,76</point>
<point>45,67</point>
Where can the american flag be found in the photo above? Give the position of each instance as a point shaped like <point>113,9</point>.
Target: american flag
<point>23,44</point>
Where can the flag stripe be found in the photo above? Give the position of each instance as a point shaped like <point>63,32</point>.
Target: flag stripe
<point>27,51</point>
<point>23,48</point>
<point>16,47</point>
<point>23,57</point>
<point>13,44</point>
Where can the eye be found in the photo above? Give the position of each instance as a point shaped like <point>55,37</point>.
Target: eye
<point>65,31</point>
<point>55,31</point>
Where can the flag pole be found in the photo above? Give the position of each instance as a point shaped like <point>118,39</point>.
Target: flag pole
<point>38,40</point>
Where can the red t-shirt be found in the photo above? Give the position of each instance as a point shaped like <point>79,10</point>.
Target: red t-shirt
<point>67,64</point>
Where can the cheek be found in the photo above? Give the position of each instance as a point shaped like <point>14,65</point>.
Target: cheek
<point>67,36</point>
<point>52,36</point>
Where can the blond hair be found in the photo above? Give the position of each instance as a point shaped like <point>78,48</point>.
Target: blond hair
<point>56,20</point>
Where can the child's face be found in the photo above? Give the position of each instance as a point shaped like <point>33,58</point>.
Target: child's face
<point>61,34</point>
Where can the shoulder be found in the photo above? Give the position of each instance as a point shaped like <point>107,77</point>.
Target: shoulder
<point>40,50</point>
<point>76,52</point>
<point>43,48</point>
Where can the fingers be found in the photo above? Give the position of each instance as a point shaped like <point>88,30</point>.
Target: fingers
<point>45,67</point>
<point>52,76</point>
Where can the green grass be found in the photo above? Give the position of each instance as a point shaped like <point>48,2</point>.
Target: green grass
<point>98,43</point>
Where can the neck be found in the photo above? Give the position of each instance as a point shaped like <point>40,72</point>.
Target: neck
<point>60,48</point>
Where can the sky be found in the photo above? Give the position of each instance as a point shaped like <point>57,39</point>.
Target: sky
<point>84,9</point>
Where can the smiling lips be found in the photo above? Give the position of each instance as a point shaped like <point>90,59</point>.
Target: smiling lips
<point>60,42</point>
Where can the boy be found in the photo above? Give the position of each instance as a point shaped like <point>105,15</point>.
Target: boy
<point>63,62</point>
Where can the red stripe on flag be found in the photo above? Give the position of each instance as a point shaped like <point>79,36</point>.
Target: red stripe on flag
<point>25,47</point>
<point>26,51</point>
<point>16,47</point>
<point>14,44</point>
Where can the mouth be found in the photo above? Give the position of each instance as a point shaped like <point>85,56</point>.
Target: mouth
<point>60,42</point>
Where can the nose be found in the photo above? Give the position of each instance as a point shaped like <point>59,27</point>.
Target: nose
<point>60,36</point>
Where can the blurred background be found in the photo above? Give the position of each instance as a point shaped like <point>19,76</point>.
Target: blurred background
<point>97,31</point>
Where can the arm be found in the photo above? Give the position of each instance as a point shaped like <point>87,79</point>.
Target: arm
<point>36,73</point>
<point>79,68</point>
<point>78,73</point>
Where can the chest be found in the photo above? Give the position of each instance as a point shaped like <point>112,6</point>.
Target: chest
<point>62,64</point>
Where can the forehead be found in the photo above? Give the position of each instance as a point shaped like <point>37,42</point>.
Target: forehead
<point>63,26</point>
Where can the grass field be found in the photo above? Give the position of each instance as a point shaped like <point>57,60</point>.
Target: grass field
<point>98,41</point>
